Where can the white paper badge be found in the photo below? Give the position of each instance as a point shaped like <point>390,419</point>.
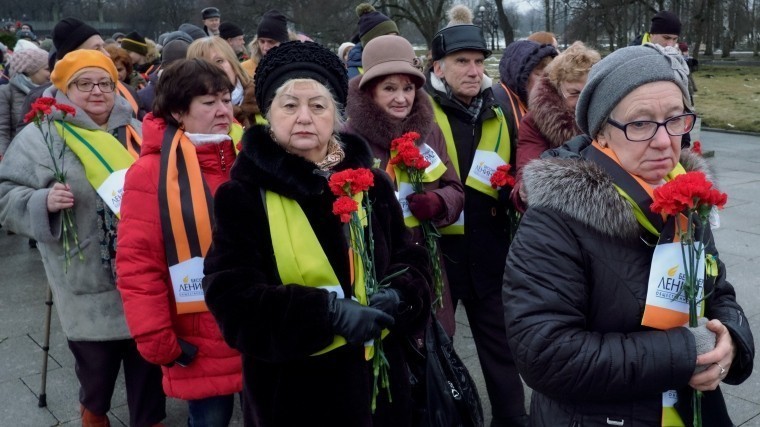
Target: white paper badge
<point>431,156</point>
<point>484,164</point>
<point>667,278</point>
<point>404,189</point>
<point>112,190</point>
<point>714,218</point>
<point>187,280</point>
<point>669,398</point>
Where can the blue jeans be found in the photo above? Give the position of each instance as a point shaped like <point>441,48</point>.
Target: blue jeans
<point>210,412</point>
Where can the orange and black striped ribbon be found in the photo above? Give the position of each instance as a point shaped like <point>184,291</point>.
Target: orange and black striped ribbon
<point>131,140</point>
<point>185,200</point>
<point>126,94</point>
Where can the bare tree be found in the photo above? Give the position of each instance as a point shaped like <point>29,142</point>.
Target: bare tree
<point>506,26</point>
<point>426,15</point>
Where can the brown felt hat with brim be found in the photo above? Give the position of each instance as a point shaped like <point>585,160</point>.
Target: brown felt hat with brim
<point>390,54</point>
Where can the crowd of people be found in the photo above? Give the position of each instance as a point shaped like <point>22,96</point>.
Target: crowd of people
<point>184,204</point>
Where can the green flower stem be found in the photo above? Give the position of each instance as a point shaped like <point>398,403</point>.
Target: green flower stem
<point>691,252</point>
<point>431,235</point>
<point>365,249</point>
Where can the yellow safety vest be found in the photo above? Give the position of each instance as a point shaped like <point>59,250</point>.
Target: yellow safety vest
<point>494,137</point>
<point>101,154</point>
<point>399,176</point>
<point>300,258</point>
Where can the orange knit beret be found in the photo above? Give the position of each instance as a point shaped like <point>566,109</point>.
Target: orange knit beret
<point>74,61</point>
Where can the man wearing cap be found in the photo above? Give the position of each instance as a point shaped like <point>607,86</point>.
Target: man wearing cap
<point>211,20</point>
<point>271,32</point>
<point>478,140</point>
<point>664,31</point>
<point>371,24</point>
<point>234,36</point>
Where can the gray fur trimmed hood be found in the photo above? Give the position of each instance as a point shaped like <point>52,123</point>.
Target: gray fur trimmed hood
<point>583,191</point>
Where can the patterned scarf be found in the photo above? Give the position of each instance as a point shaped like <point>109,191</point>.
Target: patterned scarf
<point>473,110</point>
<point>334,155</point>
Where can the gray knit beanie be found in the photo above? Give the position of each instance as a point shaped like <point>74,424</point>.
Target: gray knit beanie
<point>623,71</point>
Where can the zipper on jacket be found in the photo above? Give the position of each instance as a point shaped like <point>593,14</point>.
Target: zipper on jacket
<point>222,162</point>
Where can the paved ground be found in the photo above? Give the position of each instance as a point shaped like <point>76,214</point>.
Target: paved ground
<point>23,285</point>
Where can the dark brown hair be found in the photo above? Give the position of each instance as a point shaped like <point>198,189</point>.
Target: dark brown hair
<point>182,81</point>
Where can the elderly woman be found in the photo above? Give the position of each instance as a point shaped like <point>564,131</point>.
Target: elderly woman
<point>285,303</point>
<point>189,136</point>
<point>551,119</point>
<point>99,138</point>
<point>29,69</point>
<point>520,68</point>
<point>387,101</point>
<point>578,271</point>
<point>217,51</point>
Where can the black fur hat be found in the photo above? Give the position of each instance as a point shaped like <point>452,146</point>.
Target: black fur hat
<point>294,60</point>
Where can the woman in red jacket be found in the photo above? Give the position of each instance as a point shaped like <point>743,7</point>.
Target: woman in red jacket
<point>165,231</point>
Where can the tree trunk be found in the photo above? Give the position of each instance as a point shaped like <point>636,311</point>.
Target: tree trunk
<point>710,33</point>
<point>547,15</point>
<point>506,27</point>
<point>699,28</point>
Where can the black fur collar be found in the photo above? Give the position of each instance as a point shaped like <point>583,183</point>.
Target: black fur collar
<point>377,127</point>
<point>583,191</point>
<point>265,163</point>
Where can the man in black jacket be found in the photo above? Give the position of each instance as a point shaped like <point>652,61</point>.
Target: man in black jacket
<point>475,248</point>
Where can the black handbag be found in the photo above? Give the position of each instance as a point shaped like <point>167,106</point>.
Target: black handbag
<point>443,391</point>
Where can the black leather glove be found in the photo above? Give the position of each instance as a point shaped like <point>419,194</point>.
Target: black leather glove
<point>355,322</point>
<point>388,300</point>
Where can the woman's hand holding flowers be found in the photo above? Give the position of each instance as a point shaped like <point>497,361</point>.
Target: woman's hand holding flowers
<point>718,360</point>
<point>355,322</point>
<point>426,205</point>
<point>60,197</point>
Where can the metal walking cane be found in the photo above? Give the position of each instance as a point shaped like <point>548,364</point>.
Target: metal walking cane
<point>45,347</point>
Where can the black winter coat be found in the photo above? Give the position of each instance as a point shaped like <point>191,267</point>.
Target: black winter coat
<point>574,295</point>
<point>278,327</point>
<point>475,260</point>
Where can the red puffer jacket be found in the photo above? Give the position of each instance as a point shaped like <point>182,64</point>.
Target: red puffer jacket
<point>143,278</point>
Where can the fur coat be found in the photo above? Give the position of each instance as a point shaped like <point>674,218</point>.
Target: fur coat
<point>369,121</point>
<point>277,327</point>
<point>574,295</point>
<point>548,124</point>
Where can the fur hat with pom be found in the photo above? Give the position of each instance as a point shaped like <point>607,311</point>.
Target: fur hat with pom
<point>459,15</point>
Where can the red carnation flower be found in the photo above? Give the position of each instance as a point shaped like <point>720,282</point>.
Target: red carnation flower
<point>696,147</point>
<point>351,181</point>
<point>343,206</point>
<point>502,178</point>
<point>691,190</point>
<point>66,109</point>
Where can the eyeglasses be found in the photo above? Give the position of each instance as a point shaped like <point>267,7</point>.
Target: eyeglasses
<point>106,86</point>
<point>643,130</point>
<point>573,95</point>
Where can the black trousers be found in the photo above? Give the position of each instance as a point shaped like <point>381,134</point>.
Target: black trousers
<point>97,366</point>
<point>503,383</point>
